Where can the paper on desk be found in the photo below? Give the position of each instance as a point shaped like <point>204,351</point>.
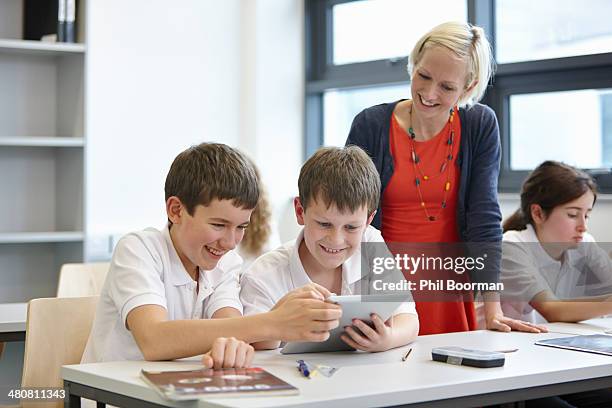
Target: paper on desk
<point>572,328</point>
<point>341,358</point>
<point>600,323</point>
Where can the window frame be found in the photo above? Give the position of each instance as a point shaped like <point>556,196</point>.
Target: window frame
<point>550,75</point>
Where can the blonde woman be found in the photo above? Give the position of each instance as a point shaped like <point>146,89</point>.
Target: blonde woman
<point>438,157</point>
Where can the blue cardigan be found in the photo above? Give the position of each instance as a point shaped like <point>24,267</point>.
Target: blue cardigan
<point>478,213</point>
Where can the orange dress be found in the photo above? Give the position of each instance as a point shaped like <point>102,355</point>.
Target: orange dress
<point>405,221</point>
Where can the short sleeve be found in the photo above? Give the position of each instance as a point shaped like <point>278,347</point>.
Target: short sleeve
<point>520,274</point>
<point>406,307</point>
<point>227,292</point>
<point>254,296</point>
<point>599,265</point>
<point>135,277</point>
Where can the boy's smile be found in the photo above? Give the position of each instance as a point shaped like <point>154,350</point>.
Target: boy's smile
<point>330,236</point>
<point>331,251</point>
<point>203,238</point>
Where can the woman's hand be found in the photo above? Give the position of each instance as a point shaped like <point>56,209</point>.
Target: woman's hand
<point>495,320</point>
<point>377,338</point>
<point>228,352</point>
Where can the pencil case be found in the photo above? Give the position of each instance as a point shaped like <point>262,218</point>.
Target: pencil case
<point>468,357</point>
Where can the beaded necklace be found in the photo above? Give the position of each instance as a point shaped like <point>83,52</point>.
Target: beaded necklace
<point>444,168</point>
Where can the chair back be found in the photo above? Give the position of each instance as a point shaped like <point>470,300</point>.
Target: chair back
<point>82,279</point>
<point>57,330</point>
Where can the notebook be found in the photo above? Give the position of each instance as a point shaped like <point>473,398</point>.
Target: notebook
<point>592,343</point>
<point>208,383</point>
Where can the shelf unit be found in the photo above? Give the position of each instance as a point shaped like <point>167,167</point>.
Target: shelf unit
<point>41,237</point>
<point>42,142</point>
<point>27,47</point>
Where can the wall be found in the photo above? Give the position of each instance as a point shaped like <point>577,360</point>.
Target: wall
<point>230,71</point>
<point>159,79</point>
<point>273,99</point>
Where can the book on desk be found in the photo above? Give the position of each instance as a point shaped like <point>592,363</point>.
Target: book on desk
<point>209,383</point>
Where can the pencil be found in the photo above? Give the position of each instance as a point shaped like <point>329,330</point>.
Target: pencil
<point>405,357</point>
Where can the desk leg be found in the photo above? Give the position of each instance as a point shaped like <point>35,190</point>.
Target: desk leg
<point>71,400</point>
<point>74,401</point>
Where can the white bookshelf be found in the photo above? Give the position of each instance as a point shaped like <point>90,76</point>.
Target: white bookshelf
<point>42,144</point>
<point>41,237</point>
<point>41,141</point>
<point>27,47</point>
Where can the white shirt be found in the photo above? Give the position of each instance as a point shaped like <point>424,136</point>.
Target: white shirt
<point>280,271</point>
<point>146,270</point>
<point>527,269</point>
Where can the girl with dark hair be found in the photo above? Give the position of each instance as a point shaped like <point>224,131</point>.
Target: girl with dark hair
<point>548,254</point>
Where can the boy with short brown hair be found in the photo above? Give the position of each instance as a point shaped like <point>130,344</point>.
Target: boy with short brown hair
<point>174,293</point>
<point>339,190</point>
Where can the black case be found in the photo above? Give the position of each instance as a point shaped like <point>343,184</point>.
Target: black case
<point>467,357</point>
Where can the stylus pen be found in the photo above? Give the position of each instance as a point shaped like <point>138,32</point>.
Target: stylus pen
<point>405,357</point>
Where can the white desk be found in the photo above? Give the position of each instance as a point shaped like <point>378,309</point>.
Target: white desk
<point>380,379</point>
<point>13,321</point>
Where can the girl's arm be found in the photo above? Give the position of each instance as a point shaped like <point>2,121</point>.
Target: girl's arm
<point>571,310</point>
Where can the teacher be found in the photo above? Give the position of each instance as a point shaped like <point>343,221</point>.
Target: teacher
<point>438,156</point>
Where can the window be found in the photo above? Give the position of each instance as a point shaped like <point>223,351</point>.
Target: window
<point>341,106</point>
<point>370,30</point>
<point>529,30</point>
<point>579,134</point>
<point>552,91</point>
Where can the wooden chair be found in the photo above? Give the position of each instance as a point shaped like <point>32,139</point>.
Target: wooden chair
<point>57,330</point>
<point>84,279</point>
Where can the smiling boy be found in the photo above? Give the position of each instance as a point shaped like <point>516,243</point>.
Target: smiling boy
<point>174,293</point>
<point>339,190</point>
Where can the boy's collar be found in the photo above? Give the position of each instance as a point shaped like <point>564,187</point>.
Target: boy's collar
<point>351,268</point>
<point>178,273</point>
<point>299,277</point>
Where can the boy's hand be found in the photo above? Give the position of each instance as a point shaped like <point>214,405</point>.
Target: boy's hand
<point>315,291</point>
<point>378,338</point>
<point>302,315</point>
<point>228,353</point>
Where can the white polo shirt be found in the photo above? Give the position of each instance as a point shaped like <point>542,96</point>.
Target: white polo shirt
<point>280,271</point>
<point>146,270</point>
<point>527,269</point>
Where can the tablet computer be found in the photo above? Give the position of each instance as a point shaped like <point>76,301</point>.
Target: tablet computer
<point>592,343</point>
<point>353,307</point>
